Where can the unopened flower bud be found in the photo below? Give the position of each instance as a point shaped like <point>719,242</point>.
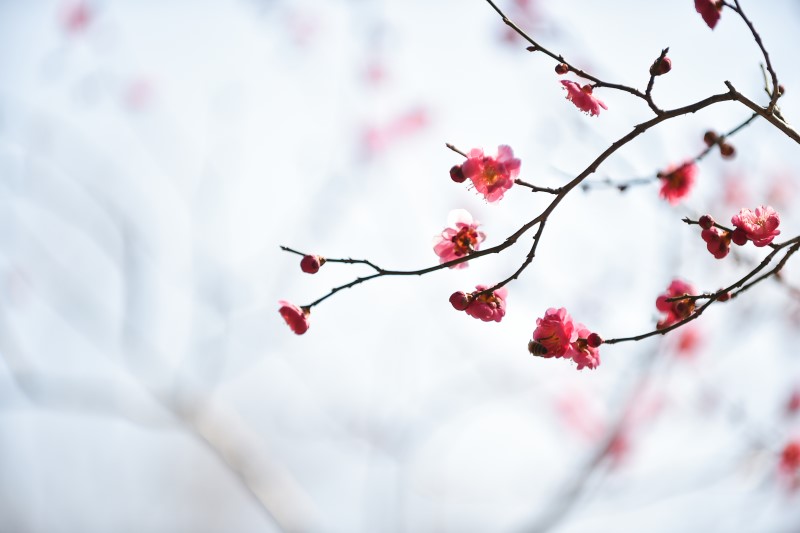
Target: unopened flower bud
<point>706,222</point>
<point>661,66</point>
<point>781,89</point>
<point>710,138</point>
<point>562,68</point>
<point>739,236</point>
<point>310,263</point>
<point>727,150</point>
<point>459,300</point>
<point>594,340</point>
<point>724,297</point>
<point>456,174</point>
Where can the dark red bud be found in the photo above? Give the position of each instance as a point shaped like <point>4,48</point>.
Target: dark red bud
<point>739,236</point>
<point>710,138</point>
<point>459,300</point>
<point>711,236</point>
<point>661,66</point>
<point>724,297</point>
<point>781,90</point>
<point>594,340</point>
<point>456,174</point>
<point>727,150</point>
<point>562,68</point>
<point>706,222</point>
<point>310,263</point>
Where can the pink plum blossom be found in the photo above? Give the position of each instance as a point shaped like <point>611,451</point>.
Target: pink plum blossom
<point>487,307</point>
<point>459,238</point>
<point>492,177</point>
<point>581,351</point>
<point>709,10</point>
<point>296,317</point>
<point>677,182</point>
<point>676,310</point>
<point>555,331</point>
<point>582,97</point>
<point>760,226</point>
<point>689,341</point>
<point>76,17</point>
<point>556,335</point>
<point>790,457</point>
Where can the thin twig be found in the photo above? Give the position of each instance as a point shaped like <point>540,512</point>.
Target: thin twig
<point>536,47</point>
<point>624,185</point>
<point>774,95</point>
<point>536,188</point>
<point>741,284</point>
<point>543,216</point>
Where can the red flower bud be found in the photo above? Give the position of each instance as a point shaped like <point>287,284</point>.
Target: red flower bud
<point>706,222</point>
<point>661,66</point>
<point>457,175</point>
<point>310,263</point>
<point>710,138</point>
<point>562,68</point>
<point>459,300</point>
<point>739,236</point>
<point>594,340</point>
<point>724,297</point>
<point>727,150</point>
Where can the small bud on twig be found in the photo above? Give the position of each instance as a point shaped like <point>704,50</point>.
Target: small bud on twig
<point>710,138</point>
<point>727,150</point>
<point>661,66</point>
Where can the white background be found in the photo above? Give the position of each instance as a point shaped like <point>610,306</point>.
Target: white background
<point>152,163</point>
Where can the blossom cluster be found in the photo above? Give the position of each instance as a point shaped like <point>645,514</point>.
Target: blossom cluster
<point>487,306</point>
<point>556,335</point>
<point>760,226</point>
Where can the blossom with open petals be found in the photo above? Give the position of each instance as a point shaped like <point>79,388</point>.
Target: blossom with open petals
<point>459,238</point>
<point>296,317</point>
<point>677,182</point>
<point>582,97</point>
<point>582,350</point>
<point>676,310</point>
<point>554,332</point>
<point>556,335</point>
<point>709,10</point>
<point>760,226</point>
<point>487,307</point>
<point>491,176</point>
